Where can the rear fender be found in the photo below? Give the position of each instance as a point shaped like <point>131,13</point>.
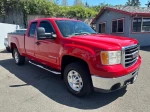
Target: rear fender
<point>15,41</point>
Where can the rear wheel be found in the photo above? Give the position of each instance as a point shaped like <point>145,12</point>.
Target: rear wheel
<point>20,60</point>
<point>77,79</point>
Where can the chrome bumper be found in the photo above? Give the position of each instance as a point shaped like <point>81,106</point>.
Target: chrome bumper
<point>107,84</point>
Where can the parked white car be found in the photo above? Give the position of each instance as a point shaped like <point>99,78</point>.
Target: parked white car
<point>6,44</point>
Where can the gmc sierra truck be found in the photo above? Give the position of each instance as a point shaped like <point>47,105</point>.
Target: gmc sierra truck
<point>85,59</point>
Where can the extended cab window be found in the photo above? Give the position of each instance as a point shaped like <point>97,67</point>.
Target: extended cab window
<point>48,27</point>
<point>32,28</point>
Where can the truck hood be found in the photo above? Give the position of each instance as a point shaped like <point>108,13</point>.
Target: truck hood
<point>108,42</point>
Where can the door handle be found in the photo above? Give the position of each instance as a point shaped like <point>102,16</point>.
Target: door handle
<point>37,43</point>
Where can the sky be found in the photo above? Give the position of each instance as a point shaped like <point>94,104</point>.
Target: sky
<point>112,2</point>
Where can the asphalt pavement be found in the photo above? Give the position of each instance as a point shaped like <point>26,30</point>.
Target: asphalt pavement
<point>31,89</point>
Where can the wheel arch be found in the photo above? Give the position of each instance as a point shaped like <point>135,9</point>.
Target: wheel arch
<point>12,47</point>
<point>68,59</point>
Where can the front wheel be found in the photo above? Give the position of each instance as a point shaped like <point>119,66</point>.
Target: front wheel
<point>78,79</point>
<point>20,60</point>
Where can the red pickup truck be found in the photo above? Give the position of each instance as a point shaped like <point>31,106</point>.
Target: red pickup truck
<point>85,59</point>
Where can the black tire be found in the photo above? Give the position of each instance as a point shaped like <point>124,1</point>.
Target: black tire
<point>86,78</point>
<point>21,59</point>
<point>7,49</point>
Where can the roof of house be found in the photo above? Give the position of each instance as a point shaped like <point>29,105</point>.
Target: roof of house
<point>129,10</point>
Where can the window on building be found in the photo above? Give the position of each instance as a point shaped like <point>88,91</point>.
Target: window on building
<point>114,26</point>
<point>118,26</point>
<point>146,25</point>
<point>141,25</point>
<point>102,27</point>
<point>137,24</point>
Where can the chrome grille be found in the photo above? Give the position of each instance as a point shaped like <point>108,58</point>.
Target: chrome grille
<point>130,55</point>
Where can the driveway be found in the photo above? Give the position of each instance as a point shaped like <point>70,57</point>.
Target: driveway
<point>31,89</point>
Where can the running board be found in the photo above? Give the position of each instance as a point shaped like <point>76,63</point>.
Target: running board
<point>45,68</point>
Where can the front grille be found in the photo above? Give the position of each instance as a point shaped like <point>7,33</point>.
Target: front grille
<point>131,55</point>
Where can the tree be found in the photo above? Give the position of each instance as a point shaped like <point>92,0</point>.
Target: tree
<point>98,8</point>
<point>86,4</point>
<point>64,2</point>
<point>53,1</point>
<point>148,4</point>
<point>56,1</point>
<point>78,2</point>
<point>133,3</point>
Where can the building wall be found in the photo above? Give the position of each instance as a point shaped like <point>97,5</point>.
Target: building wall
<point>108,16</point>
<point>5,28</point>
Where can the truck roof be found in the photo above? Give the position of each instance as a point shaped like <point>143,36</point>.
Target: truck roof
<point>54,19</point>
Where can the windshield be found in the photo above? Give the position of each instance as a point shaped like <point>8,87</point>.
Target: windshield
<point>69,28</point>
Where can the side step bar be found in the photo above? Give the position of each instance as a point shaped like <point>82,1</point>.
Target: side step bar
<point>45,68</point>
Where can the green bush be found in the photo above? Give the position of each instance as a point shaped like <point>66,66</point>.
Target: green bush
<point>44,7</point>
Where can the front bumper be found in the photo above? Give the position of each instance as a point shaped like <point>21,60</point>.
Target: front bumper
<point>112,84</point>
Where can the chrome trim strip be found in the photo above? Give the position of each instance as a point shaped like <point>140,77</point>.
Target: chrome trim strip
<point>58,73</point>
<point>128,58</point>
<point>128,47</point>
<point>131,53</point>
<point>123,57</point>
<point>52,57</point>
<point>134,49</point>
<point>131,61</point>
<point>134,63</point>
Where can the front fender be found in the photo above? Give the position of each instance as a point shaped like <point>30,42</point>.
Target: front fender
<point>85,53</point>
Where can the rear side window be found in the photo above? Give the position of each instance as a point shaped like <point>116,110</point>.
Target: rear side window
<point>48,27</point>
<point>32,29</point>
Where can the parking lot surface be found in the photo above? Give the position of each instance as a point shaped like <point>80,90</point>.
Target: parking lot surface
<point>31,89</point>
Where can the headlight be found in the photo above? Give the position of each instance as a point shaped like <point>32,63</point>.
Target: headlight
<point>110,57</point>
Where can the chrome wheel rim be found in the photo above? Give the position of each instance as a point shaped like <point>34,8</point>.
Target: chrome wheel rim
<point>75,80</point>
<point>16,56</point>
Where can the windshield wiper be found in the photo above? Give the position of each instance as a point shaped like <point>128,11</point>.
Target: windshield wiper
<point>82,33</point>
<point>94,33</point>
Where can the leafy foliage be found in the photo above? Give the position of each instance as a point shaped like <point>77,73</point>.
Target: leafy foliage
<point>97,8</point>
<point>49,8</point>
<point>133,3</point>
<point>148,3</point>
<point>46,7</point>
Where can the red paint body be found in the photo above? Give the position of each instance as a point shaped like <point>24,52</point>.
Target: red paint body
<point>86,47</point>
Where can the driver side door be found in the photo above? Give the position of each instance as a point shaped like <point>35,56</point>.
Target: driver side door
<point>43,47</point>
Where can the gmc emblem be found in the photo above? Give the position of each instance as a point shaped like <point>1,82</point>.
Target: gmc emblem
<point>135,55</point>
